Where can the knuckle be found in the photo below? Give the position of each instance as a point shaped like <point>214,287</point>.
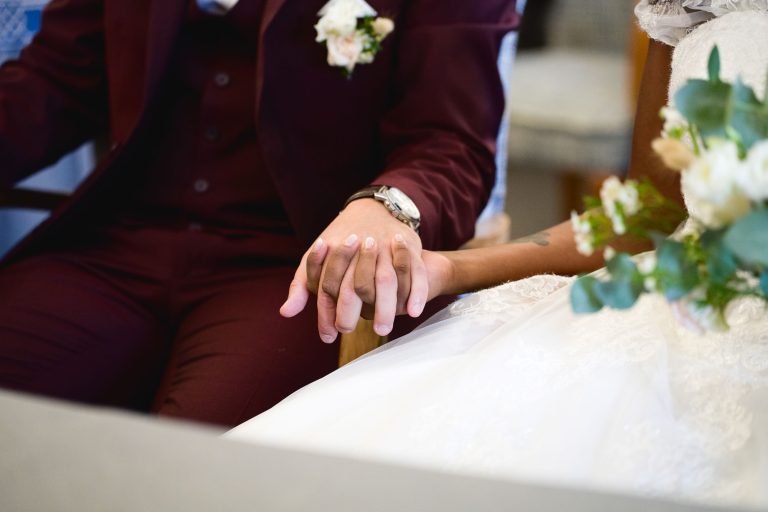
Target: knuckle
<point>330,287</point>
<point>385,279</point>
<point>365,292</point>
<point>402,267</point>
<point>347,299</point>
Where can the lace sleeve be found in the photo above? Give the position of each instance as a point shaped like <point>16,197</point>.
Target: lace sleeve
<point>669,21</point>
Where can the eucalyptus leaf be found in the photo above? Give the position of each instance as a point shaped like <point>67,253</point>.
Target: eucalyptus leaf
<point>706,105</point>
<point>621,266</point>
<point>713,66</point>
<point>583,298</point>
<point>678,275</point>
<point>720,109</point>
<point>721,263</point>
<point>618,294</point>
<point>747,238</point>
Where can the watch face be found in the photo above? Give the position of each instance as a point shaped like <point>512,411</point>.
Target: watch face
<point>404,203</point>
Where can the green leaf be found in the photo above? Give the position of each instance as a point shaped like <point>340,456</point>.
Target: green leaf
<point>748,116</point>
<point>714,64</point>
<point>748,238</point>
<point>719,109</point>
<point>706,105</point>
<point>583,298</point>
<point>622,266</point>
<point>678,275</point>
<point>721,263</point>
<point>764,283</point>
<point>618,294</point>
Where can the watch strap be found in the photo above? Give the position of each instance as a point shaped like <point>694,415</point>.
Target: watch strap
<point>363,193</point>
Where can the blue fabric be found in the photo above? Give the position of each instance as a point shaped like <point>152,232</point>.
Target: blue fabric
<point>498,198</point>
<point>19,20</point>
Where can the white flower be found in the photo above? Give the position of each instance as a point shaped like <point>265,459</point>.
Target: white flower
<point>609,253</point>
<point>754,180</point>
<point>346,51</point>
<point>646,262</point>
<point>673,153</point>
<point>383,27</point>
<point>339,18</point>
<point>582,233</point>
<point>614,193</point>
<point>711,186</point>
<point>674,122</point>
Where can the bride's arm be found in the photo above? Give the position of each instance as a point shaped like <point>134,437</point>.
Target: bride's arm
<point>554,250</point>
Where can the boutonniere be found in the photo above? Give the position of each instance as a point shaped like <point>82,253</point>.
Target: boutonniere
<point>352,32</point>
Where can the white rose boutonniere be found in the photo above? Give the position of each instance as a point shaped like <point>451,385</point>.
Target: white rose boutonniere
<point>352,32</point>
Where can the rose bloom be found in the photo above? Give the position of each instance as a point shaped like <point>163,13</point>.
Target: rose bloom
<point>383,27</point>
<point>675,155</point>
<point>345,51</point>
<point>711,186</point>
<point>339,18</point>
<point>754,180</point>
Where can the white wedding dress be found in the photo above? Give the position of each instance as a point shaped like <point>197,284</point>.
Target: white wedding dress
<point>508,382</point>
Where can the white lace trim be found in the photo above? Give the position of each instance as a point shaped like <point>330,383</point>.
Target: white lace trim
<point>669,21</point>
<point>498,304</point>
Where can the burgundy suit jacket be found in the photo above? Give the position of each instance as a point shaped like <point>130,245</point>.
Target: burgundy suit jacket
<point>423,117</point>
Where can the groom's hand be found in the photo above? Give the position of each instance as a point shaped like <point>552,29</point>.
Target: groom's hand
<point>392,278</point>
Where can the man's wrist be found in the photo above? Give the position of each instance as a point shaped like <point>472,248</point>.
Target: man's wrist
<point>394,200</point>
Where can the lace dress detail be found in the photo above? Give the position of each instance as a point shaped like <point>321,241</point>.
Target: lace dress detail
<point>496,304</point>
<point>669,21</point>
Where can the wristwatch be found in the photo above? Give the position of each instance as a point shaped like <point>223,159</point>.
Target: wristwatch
<point>400,205</point>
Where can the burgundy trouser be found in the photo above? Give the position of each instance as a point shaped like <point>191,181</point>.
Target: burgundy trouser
<point>183,323</point>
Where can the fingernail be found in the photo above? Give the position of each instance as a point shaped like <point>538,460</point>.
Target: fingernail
<point>350,241</point>
<point>382,329</point>
<point>318,245</point>
<point>327,338</point>
<point>418,308</point>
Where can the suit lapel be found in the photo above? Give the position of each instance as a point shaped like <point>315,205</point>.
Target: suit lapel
<point>165,20</point>
<point>271,7</point>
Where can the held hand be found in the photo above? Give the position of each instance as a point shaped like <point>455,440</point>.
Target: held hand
<point>391,277</point>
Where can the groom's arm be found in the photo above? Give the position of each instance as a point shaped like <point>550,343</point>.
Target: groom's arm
<point>53,98</point>
<point>439,139</point>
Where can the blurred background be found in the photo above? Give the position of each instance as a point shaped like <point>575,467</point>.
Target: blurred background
<point>571,104</point>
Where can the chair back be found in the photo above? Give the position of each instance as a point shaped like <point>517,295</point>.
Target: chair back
<point>594,24</point>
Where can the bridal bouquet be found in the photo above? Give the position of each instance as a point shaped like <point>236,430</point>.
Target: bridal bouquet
<point>717,138</point>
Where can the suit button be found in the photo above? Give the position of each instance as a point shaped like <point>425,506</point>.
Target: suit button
<point>222,79</point>
<point>212,134</point>
<point>201,186</point>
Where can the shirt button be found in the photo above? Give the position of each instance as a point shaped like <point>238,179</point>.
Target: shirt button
<point>212,134</point>
<point>201,186</point>
<point>222,79</point>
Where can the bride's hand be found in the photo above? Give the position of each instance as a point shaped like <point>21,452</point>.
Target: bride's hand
<point>440,270</point>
